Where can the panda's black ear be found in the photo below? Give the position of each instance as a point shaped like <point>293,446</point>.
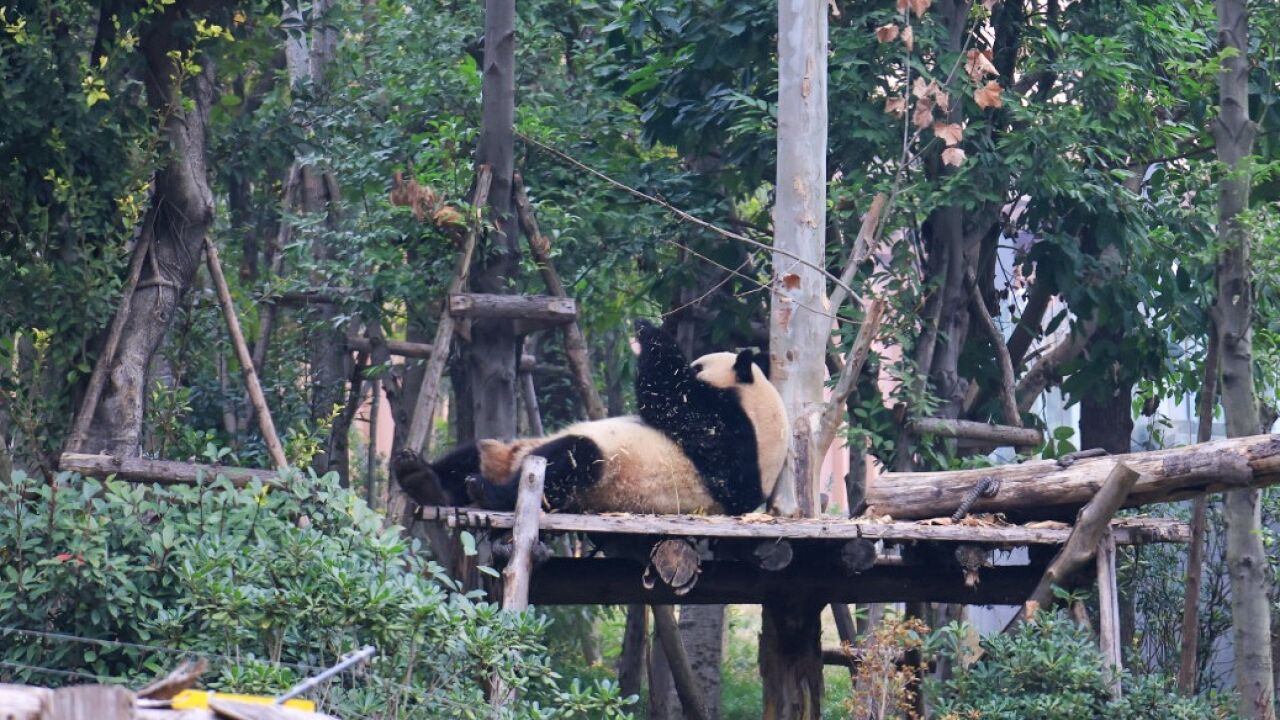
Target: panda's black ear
<point>742,366</point>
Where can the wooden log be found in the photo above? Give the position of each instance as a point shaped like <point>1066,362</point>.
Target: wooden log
<point>402,348</point>
<point>1091,525</point>
<point>986,433</point>
<point>1189,647</point>
<point>857,556</point>
<point>98,379</point>
<point>1129,531</point>
<point>183,677</point>
<point>691,696</point>
<point>265,424</point>
<point>164,472</point>
<point>515,576</point>
<point>543,309</point>
<point>675,562</point>
<point>772,555</point>
<point>1109,610</point>
<point>616,581</point>
<point>575,345</point>
<point>425,406</point>
<point>1008,399</point>
<point>1044,489</point>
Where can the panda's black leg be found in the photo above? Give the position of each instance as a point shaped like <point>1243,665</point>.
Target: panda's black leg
<point>442,482</point>
<point>574,464</point>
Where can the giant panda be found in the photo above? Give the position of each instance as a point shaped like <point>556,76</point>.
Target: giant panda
<point>710,437</point>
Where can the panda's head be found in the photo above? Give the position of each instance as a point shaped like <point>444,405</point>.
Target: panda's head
<point>742,372</point>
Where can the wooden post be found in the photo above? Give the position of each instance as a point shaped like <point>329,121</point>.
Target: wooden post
<point>515,577</point>
<point>529,395</point>
<point>1109,610</point>
<point>691,701</point>
<point>1199,517</point>
<point>635,650</point>
<point>371,459</point>
<point>265,424</point>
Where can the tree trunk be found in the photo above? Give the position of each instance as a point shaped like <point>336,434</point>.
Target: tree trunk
<point>180,215</point>
<point>1233,315</point>
<point>799,333</point>
<point>308,55</point>
<point>1106,418</point>
<point>492,356</point>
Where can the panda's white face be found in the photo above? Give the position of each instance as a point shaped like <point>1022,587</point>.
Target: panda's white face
<point>717,370</point>
<point>763,405</point>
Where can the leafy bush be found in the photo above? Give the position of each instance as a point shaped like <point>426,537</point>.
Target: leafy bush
<point>272,585</point>
<point>1051,669</point>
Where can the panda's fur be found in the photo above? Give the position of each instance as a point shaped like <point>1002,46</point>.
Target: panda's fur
<point>710,437</point>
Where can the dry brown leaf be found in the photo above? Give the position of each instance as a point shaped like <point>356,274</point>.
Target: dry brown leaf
<point>920,88</point>
<point>902,6</point>
<point>887,33</point>
<point>953,156</point>
<point>949,133</point>
<point>757,517</point>
<point>447,216</point>
<point>941,97</point>
<point>919,7</point>
<point>896,105</point>
<point>923,116</point>
<point>942,521</point>
<point>908,38</point>
<point>988,96</point>
<point>978,65</point>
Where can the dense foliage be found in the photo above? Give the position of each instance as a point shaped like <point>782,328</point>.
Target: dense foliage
<point>119,581</point>
<point>1050,668</point>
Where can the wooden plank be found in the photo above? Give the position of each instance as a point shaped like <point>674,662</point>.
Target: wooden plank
<point>1109,610</point>
<point>538,308</point>
<point>86,702</point>
<point>1044,489</point>
<point>617,581</point>
<point>1128,530</point>
<point>162,472</point>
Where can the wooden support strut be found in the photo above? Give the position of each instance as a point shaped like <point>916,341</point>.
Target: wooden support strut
<point>1109,610</point>
<point>664,620</point>
<point>1091,524</point>
<point>515,576</point>
<point>425,407</point>
<point>265,424</point>
<point>979,431</point>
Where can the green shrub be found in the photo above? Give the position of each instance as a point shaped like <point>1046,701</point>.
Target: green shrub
<point>1050,669</point>
<point>272,584</point>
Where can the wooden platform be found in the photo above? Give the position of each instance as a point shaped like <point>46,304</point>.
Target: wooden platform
<point>920,561</point>
<point>1128,531</point>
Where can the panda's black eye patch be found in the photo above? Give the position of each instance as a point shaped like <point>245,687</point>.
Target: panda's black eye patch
<point>696,367</point>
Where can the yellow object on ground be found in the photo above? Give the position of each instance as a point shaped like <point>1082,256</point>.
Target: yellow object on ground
<point>189,699</point>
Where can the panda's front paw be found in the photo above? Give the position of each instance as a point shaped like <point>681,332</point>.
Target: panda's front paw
<point>474,485</point>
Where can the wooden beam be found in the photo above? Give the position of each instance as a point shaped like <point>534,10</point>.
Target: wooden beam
<point>163,472</point>
<point>1091,525</point>
<point>691,702</point>
<point>536,308</point>
<point>1044,489</point>
<point>617,581</point>
<point>395,347</point>
<point>1129,531</point>
<point>987,433</point>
